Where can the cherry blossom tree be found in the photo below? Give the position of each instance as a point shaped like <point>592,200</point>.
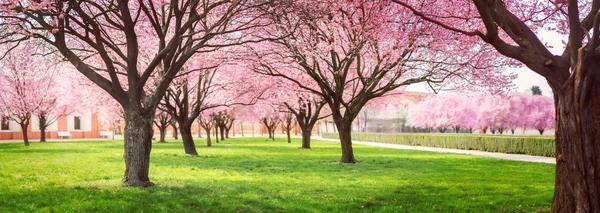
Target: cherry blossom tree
<point>229,121</point>
<point>185,100</point>
<point>287,123</point>
<point>443,111</point>
<point>519,109</point>
<point>270,122</point>
<point>27,80</point>
<point>162,120</point>
<point>512,28</point>
<point>206,120</point>
<point>355,51</point>
<point>542,113</point>
<point>307,111</point>
<point>106,41</point>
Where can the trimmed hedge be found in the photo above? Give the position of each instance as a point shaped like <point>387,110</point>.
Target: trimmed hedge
<point>529,145</point>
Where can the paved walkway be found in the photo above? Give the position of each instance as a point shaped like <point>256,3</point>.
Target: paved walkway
<point>528,158</point>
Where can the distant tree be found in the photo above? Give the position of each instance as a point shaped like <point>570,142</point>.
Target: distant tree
<point>207,122</point>
<point>162,120</point>
<point>287,124</point>
<point>307,112</point>
<point>27,79</point>
<point>542,114</point>
<point>270,121</point>
<point>535,90</point>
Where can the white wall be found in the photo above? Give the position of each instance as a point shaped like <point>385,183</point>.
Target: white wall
<point>12,126</point>
<point>35,125</point>
<point>86,121</point>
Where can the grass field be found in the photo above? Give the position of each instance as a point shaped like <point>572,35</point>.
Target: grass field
<point>256,175</point>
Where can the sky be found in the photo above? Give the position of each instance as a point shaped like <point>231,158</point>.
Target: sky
<point>526,77</point>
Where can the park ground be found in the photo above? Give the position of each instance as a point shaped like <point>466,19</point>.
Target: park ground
<point>259,175</point>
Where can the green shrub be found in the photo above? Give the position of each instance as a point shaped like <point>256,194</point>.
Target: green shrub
<point>530,145</point>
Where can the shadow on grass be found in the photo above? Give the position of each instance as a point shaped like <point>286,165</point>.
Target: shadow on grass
<point>258,196</point>
<point>237,197</point>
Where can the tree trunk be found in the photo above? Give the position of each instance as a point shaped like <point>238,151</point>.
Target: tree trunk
<point>306,132</point>
<point>138,144</point>
<point>208,142</point>
<point>295,129</point>
<point>269,131</point>
<point>222,133</point>
<point>241,129</point>
<point>226,133</point>
<point>577,103</point>
<point>188,139</point>
<point>273,134</point>
<point>541,131</point>
<point>175,132</point>
<point>42,129</point>
<point>24,131</point>
<point>288,135</point>
<point>199,131</point>
<point>217,134</point>
<point>345,133</point>
<point>163,132</point>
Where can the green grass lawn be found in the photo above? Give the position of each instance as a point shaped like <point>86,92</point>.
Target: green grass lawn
<point>256,175</point>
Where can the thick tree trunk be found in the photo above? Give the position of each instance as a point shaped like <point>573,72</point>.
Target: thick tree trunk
<point>188,139</point>
<point>306,132</point>
<point>163,132</point>
<point>226,132</point>
<point>344,127</point>
<point>42,129</point>
<point>345,134</point>
<point>24,131</point>
<point>288,135</point>
<point>138,144</point>
<point>577,186</point>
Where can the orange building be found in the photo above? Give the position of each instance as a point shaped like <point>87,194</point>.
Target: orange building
<point>76,125</point>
